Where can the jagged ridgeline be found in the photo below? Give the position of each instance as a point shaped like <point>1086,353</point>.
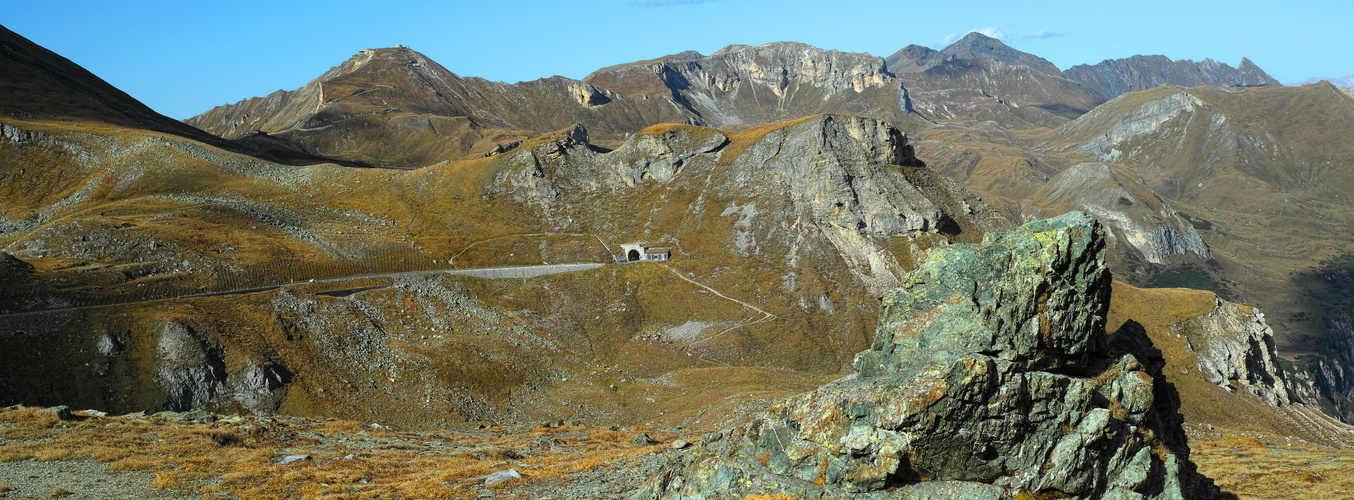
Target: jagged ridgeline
<point>990,377</point>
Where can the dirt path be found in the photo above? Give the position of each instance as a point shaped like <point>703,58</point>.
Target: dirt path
<point>753,320</point>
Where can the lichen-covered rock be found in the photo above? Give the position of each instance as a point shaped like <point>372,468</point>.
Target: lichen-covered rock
<point>990,376</point>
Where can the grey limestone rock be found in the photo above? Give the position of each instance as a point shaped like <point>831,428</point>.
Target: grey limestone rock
<point>1137,217</point>
<point>850,182</point>
<point>990,377</point>
<point>502,476</point>
<point>1145,120</point>
<point>190,373</point>
<point>1236,350</point>
<point>660,156</point>
<point>259,388</point>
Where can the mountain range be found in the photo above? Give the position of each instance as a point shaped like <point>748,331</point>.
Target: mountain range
<point>285,254</point>
<point>1160,149</point>
<point>421,113</point>
<point>1342,82</point>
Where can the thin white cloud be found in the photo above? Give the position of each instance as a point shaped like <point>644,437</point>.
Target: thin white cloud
<point>991,31</point>
<point>1044,34</point>
<point>666,3</point>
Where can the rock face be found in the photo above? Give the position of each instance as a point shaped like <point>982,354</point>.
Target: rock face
<point>190,373</point>
<point>1137,217</point>
<point>1115,77</point>
<point>1236,351</point>
<point>259,388</point>
<point>1146,120</point>
<point>989,377</point>
<point>839,178</point>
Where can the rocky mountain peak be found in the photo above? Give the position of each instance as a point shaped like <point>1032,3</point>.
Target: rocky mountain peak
<point>375,60</point>
<point>979,46</point>
<point>910,58</point>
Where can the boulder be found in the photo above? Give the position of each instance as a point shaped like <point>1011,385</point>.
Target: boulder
<point>502,476</point>
<point>190,373</point>
<point>990,375</point>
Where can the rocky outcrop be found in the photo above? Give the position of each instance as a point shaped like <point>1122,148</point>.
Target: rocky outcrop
<point>190,373</point>
<point>833,171</point>
<point>661,153</point>
<point>776,66</point>
<point>1327,379</point>
<point>1114,77</point>
<point>18,135</point>
<point>1236,351</point>
<point>839,176</point>
<point>259,388</point>
<point>1138,218</point>
<point>1147,119</point>
<point>989,377</point>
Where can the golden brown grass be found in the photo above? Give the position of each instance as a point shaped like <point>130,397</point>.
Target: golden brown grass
<point>242,455</point>
<point>1251,469</point>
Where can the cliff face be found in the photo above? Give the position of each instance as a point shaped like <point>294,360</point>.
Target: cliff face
<point>1115,77</point>
<point>989,377</point>
<point>1138,219</point>
<point>844,183</point>
<point>1236,351</point>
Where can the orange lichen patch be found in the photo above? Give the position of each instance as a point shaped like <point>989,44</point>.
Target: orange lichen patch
<point>926,389</point>
<point>912,327</point>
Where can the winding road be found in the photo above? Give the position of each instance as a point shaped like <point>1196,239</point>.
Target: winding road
<point>505,272</point>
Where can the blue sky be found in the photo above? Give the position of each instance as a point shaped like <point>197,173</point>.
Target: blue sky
<point>183,57</point>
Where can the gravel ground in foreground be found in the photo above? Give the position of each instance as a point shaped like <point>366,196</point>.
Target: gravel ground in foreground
<point>84,479</point>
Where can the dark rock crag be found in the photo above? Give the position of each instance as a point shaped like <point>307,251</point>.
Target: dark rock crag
<point>990,376</point>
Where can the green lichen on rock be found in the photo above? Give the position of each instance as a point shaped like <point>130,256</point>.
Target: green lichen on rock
<point>990,376</point>
<point>1028,295</point>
